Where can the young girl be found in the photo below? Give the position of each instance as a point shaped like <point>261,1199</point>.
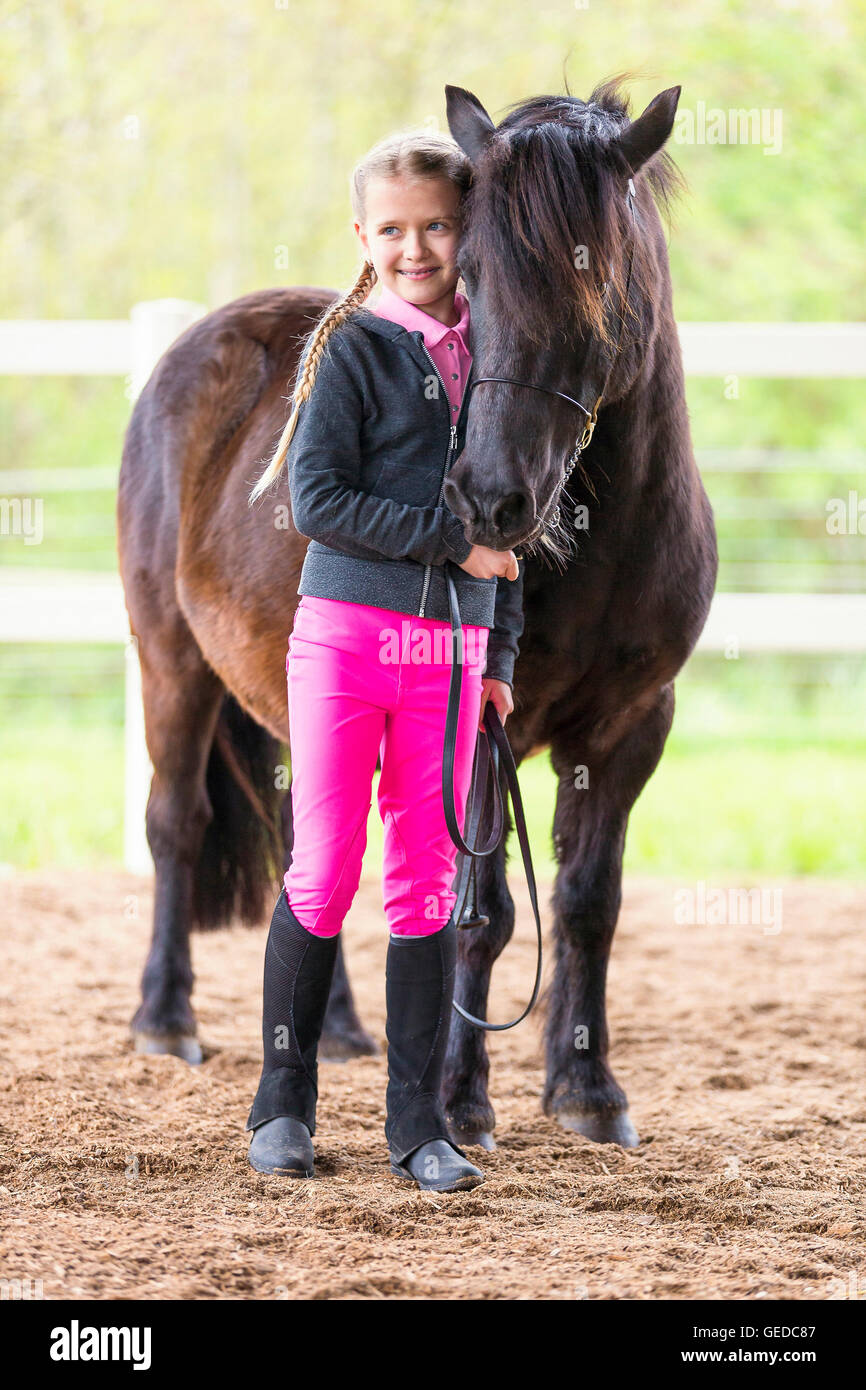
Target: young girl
<point>379,416</point>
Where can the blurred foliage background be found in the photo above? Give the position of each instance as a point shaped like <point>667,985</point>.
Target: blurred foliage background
<point>203,150</point>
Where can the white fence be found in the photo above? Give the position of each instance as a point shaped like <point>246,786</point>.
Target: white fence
<point>49,606</point>
<point>52,606</point>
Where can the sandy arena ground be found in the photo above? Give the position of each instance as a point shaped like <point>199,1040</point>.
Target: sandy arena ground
<point>742,1052</point>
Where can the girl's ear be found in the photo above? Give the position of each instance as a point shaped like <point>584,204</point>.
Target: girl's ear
<point>468,122</point>
<point>361,238</point>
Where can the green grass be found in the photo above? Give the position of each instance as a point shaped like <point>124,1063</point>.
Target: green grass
<point>61,788</point>
<point>764,770</point>
<point>790,809</point>
<point>711,807</point>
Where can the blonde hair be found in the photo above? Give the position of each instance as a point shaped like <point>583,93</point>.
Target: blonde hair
<point>418,154</point>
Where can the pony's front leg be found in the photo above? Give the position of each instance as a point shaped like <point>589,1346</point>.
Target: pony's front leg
<point>589,832</point>
<point>464,1088</point>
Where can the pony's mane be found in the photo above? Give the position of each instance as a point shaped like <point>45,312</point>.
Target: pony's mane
<point>549,182</point>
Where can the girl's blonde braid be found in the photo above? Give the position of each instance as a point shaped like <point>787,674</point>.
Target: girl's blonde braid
<point>333,317</point>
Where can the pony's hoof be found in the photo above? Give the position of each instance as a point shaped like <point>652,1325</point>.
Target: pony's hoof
<point>182,1045</point>
<point>466,1138</point>
<point>342,1047</point>
<point>602,1129</point>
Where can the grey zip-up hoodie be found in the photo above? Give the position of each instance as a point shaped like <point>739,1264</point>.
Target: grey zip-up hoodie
<point>367,462</point>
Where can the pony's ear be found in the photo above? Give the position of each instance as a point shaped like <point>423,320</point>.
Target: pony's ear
<point>645,136</point>
<point>468,122</point>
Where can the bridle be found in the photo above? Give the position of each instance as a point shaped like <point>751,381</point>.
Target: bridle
<point>488,749</point>
<point>591,415</point>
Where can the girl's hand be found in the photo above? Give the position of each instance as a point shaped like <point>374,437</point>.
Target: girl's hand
<point>500,693</point>
<point>484,563</point>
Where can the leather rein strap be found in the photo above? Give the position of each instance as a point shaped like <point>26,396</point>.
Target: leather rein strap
<point>490,762</point>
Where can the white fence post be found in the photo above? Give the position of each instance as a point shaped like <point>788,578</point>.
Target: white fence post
<point>156,323</point>
<point>137,767</point>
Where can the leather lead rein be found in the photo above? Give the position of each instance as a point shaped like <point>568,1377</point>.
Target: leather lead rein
<point>490,762</point>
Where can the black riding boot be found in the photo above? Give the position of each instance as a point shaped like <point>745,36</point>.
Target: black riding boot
<point>419,987</point>
<point>298,971</point>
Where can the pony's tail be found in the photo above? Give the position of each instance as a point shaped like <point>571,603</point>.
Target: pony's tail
<point>334,315</point>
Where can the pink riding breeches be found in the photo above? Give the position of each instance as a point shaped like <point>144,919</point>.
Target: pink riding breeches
<point>363,682</point>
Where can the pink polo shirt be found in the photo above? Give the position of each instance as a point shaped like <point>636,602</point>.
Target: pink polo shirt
<point>449,347</point>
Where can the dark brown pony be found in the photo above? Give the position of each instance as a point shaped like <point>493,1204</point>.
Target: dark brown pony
<point>211,585</point>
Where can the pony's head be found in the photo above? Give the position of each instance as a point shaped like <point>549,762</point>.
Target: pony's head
<point>548,242</point>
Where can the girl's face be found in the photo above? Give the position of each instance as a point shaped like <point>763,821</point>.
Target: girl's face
<point>411,235</point>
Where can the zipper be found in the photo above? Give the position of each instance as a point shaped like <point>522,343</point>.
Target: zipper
<point>452,445</point>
